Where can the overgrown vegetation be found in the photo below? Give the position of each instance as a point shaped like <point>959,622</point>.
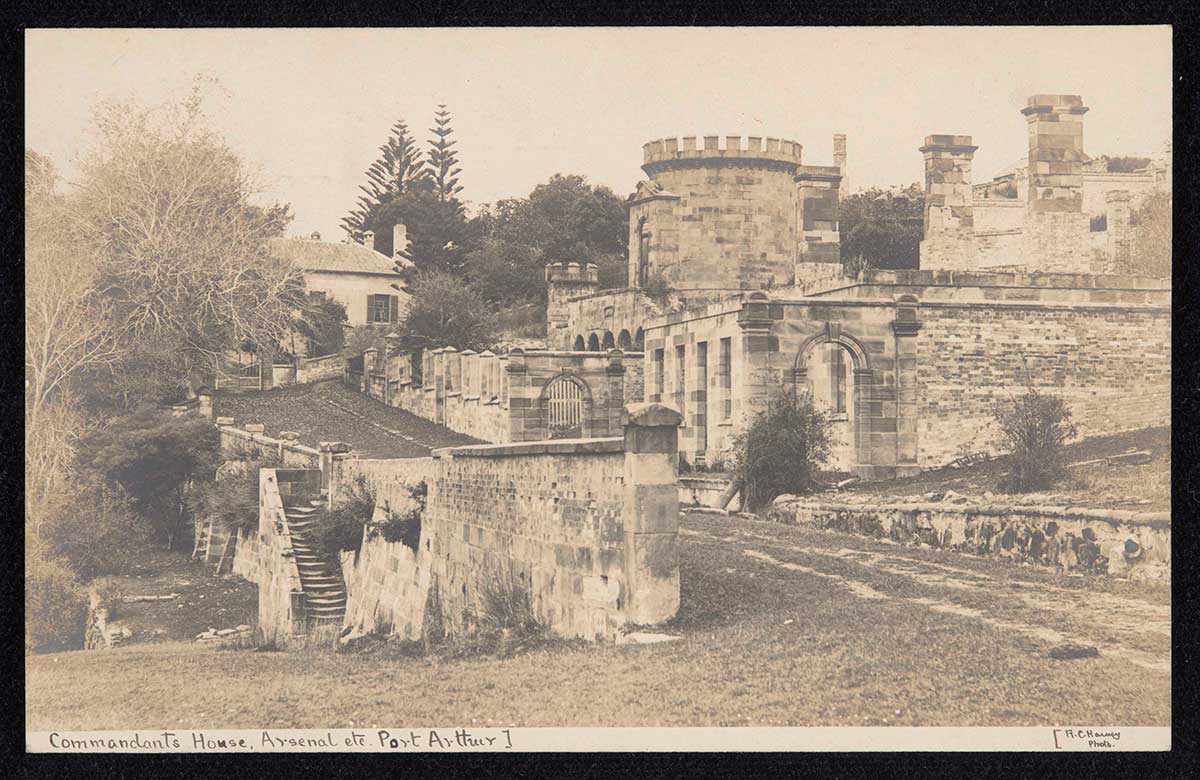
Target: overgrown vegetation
<point>883,226</point>
<point>154,456</point>
<point>231,500</point>
<point>404,526</point>
<point>1034,428</point>
<point>445,310</point>
<point>782,450</point>
<point>340,529</point>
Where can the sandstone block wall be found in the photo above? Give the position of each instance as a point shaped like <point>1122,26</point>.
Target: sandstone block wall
<point>732,221</point>
<point>588,527</point>
<point>266,558</point>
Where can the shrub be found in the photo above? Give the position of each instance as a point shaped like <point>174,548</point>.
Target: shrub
<point>856,264</point>
<point>505,622</point>
<point>153,456</point>
<point>94,529</point>
<point>55,605</point>
<point>1034,428</point>
<point>405,526</point>
<point>782,449</point>
<point>565,431</point>
<point>685,466</point>
<point>341,529</point>
<point>231,500</point>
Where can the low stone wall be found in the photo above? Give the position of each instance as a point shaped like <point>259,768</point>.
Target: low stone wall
<point>320,368</point>
<point>266,558</point>
<point>588,526</point>
<point>251,436</point>
<point>1093,541</point>
<point>701,490</point>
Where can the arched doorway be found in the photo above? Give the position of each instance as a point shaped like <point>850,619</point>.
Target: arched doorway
<point>639,340</point>
<point>565,400</point>
<point>609,342</point>
<point>593,343</point>
<point>623,340</point>
<point>833,368</point>
<point>580,346</point>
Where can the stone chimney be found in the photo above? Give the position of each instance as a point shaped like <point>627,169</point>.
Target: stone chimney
<point>1056,229</point>
<point>839,159</point>
<point>314,236</point>
<point>399,239</point>
<point>818,252</point>
<point>1118,217</point>
<point>369,239</point>
<point>949,242</point>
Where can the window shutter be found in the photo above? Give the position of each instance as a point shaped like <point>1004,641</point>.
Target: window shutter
<point>395,308</point>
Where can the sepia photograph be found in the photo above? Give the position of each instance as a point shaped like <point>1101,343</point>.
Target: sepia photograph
<point>597,388</point>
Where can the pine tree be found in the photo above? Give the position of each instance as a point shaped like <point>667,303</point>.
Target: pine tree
<point>443,159</point>
<point>397,169</point>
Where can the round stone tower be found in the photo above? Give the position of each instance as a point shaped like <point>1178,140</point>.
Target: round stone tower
<point>715,217</point>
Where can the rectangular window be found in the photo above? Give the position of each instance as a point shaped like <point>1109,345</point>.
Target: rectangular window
<point>383,308</point>
<point>681,378</point>
<point>837,376</point>
<point>725,377</point>
<point>659,378</point>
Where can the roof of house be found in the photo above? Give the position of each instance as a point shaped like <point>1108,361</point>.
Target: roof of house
<point>315,255</point>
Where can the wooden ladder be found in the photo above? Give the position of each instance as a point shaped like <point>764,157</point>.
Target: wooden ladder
<point>203,541</point>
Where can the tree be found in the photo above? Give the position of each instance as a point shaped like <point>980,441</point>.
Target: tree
<point>319,321</point>
<point>397,169</point>
<point>1150,247</point>
<point>563,220</point>
<point>163,207</point>
<point>153,456</point>
<point>884,226</point>
<point>1034,427</point>
<point>443,159</point>
<point>436,228</point>
<point>447,312</point>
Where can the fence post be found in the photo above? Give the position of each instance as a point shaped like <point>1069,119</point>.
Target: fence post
<point>331,451</point>
<point>651,512</point>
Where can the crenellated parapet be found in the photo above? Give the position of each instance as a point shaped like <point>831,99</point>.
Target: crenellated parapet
<point>690,151</point>
<point>573,273</point>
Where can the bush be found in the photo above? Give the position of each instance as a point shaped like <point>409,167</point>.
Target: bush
<point>404,527</point>
<point>1034,428</point>
<point>231,500</point>
<point>782,449</point>
<point>340,529</point>
<point>55,605</point>
<point>94,530</point>
<point>505,621</point>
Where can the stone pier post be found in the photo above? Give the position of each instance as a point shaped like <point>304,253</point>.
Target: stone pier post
<point>819,251</point>
<point>949,242</point>
<point>1119,229</point>
<point>1056,229</point>
<point>651,513</point>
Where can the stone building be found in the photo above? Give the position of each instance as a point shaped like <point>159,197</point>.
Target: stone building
<point>737,294</point>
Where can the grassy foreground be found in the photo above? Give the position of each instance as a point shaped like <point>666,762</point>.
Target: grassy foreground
<point>826,629</point>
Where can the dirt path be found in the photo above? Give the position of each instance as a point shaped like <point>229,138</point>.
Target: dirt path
<point>1133,629</point>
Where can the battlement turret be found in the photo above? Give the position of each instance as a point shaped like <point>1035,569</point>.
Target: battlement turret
<point>667,153</point>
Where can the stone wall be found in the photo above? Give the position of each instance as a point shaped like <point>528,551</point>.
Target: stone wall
<point>588,526</point>
<point>266,559</point>
<point>925,355</point>
<point>1093,541</point>
<point>719,216</point>
<point>503,398</point>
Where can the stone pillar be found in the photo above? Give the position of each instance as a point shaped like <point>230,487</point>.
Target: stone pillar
<point>905,327</point>
<point>949,242</point>
<point>651,512</point>
<point>839,160</point>
<point>523,422</point>
<point>610,419</point>
<point>1056,230</point>
<point>399,242</point>
<point>205,398</point>
<point>1119,230</point>
<point>754,380</point>
<point>368,366</point>
<point>331,453</point>
<point>818,251</point>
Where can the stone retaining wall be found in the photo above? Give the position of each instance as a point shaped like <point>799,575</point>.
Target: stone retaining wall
<point>1092,541</point>
<point>588,526</point>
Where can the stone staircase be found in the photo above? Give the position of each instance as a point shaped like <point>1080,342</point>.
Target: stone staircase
<point>320,576</point>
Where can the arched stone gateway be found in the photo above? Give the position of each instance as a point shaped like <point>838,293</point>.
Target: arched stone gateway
<point>593,343</point>
<point>624,341</point>
<point>834,369</point>
<point>565,406</point>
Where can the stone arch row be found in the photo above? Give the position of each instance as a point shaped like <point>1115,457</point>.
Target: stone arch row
<point>597,342</point>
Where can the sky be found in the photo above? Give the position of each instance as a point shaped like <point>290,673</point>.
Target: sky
<point>308,108</point>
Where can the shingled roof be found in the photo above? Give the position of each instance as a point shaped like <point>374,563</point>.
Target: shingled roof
<point>314,255</point>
